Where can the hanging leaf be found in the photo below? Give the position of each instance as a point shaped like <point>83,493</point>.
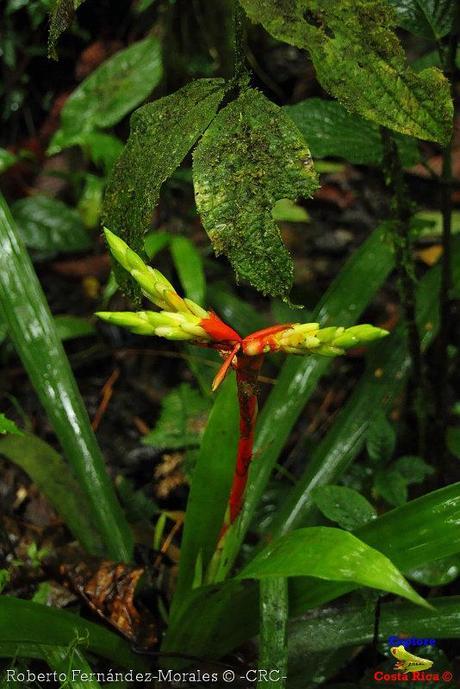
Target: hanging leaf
<point>333,131</point>
<point>62,15</point>
<point>360,61</point>
<point>344,505</point>
<point>161,135</point>
<point>431,19</point>
<point>110,92</point>
<point>251,156</point>
<point>48,225</point>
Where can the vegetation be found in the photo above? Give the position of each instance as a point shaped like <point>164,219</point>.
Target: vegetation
<point>292,165</point>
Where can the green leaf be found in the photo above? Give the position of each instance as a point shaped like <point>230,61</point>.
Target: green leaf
<point>210,488</point>
<point>24,309</point>
<point>453,440</point>
<point>437,573</point>
<point>102,148</point>
<point>333,131</point>
<point>39,625</point>
<point>391,486</point>
<point>251,156</point>
<point>343,505</point>
<point>156,241</point>
<point>381,439</point>
<point>110,92</point>
<point>7,159</point>
<point>359,61</point>
<point>431,19</point>
<point>72,663</point>
<point>285,210</point>
<point>332,554</point>
<point>189,266</point>
<point>182,420</point>
<point>414,469</point>
<point>49,225</point>
<point>161,135</point>
<point>273,632</point>
<point>54,479</point>
<point>90,201</point>
<point>71,327</point>
<point>62,15</point>
<point>8,426</point>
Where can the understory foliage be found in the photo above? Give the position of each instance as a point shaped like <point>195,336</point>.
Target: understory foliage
<point>325,523</point>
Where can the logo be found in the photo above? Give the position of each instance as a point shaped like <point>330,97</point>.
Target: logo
<point>408,662</point>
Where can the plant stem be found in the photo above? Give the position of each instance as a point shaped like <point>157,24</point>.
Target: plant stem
<point>442,358</point>
<point>401,217</point>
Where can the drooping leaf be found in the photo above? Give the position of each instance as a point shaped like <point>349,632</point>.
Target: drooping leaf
<point>182,420</point>
<point>431,19</point>
<point>381,439</point>
<point>328,553</point>
<point>110,92</point>
<point>251,156</point>
<point>49,225</point>
<point>359,61</point>
<point>62,15</point>
<point>24,309</point>
<point>8,426</point>
<point>54,479</point>
<point>343,505</point>
<point>189,266</point>
<point>161,135</point>
<point>333,131</point>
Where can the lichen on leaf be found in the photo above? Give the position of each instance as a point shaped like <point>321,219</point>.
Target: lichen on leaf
<point>161,135</point>
<point>359,60</point>
<point>251,156</point>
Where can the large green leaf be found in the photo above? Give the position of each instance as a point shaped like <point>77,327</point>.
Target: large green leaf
<point>48,225</point>
<point>251,156</point>
<point>110,92</point>
<point>359,60</point>
<point>24,309</point>
<point>333,131</point>
<point>210,489</point>
<point>26,623</point>
<point>229,612</point>
<point>161,135</point>
<point>328,553</point>
<point>353,625</point>
<point>53,477</point>
<point>430,19</point>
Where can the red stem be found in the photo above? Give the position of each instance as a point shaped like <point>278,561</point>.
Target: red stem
<point>247,371</point>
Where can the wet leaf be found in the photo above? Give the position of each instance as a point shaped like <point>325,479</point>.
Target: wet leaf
<point>360,61</point>
<point>430,19</point>
<point>333,131</point>
<point>437,573</point>
<point>110,92</point>
<point>161,135</point>
<point>343,505</point>
<point>48,225</point>
<point>251,156</point>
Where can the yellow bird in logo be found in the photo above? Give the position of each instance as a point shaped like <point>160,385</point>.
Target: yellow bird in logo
<point>407,662</point>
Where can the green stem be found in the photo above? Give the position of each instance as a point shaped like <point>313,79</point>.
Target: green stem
<point>401,218</point>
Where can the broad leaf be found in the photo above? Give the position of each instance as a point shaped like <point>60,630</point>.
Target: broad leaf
<point>251,156</point>
<point>430,19</point>
<point>110,92</point>
<point>343,505</point>
<point>333,131</point>
<point>332,554</point>
<point>161,135</point>
<point>359,61</point>
<point>381,439</point>
<point>48,225</point>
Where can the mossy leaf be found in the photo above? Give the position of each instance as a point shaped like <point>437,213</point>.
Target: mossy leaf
<point>161,135</point>
<point>61,17</point>
<point>251,156</point>
<point>359,60</point>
